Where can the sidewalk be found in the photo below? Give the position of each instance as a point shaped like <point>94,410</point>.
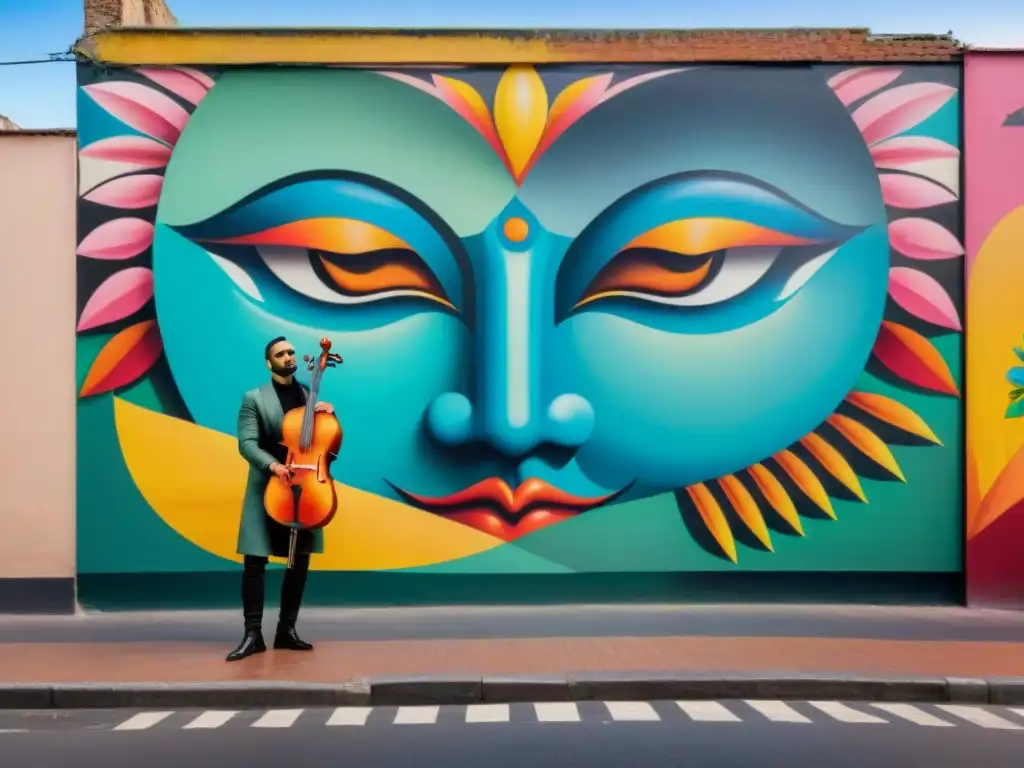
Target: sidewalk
<point>451,649</point>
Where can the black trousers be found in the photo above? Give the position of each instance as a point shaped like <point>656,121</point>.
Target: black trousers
<point>254,577</point>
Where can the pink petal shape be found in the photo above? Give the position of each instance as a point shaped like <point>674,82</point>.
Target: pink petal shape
<point>841,77</point>
<point>177,82</point>
<point>138,151</point>
<point>117,239</point>
<point>414,81</point>
<point>120,295</point>
<point>141,191</point>
<point>911,192</point>
<point>902,151</point>
<point>856,84</point>
<point>200,77</point>
<point>924,239</point>
<point>632,82</point>
<point>923,297</point>
<point>143,108</point>
<point>900,109</point>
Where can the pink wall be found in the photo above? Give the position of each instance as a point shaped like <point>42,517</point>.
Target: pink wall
<point>37,394</point>
<point>994,212</point>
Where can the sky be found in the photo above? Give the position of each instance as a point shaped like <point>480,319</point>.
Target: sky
<point>43,95</point>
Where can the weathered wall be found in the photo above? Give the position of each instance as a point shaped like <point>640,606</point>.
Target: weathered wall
<point>994,136</point>
<point>105,14</point>
<point>37,242</point>
<point>728,297</point>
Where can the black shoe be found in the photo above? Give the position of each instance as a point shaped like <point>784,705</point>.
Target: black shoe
<point>251,643</point>
<point>287,639</point>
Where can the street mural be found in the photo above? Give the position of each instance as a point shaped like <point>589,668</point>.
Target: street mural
<point>994,131</point>
<point>593,319</point>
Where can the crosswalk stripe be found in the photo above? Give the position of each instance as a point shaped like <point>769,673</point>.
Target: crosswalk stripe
<point>211,719</point>
<point>631,711</point>
<point>142,720</point>
<point>349,716</point>
<point>981,717</point>
<point>423,715</point>
<point>556,712</point>
<point>487,713</point>
<point>777,711</point>
<point>914,715</point>
<point>845,714</point>
<point>707,712</point>
<point>278,718</point>
<point>1017,711</point>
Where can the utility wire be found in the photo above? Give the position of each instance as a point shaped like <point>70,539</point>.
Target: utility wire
<point>53,57</point>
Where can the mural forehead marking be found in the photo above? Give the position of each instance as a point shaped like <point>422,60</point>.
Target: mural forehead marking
<point>711,336</point>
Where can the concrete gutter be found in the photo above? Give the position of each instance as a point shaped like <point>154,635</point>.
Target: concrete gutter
<point>470,689</point>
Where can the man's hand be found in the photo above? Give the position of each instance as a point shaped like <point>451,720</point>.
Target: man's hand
<point>323,407</point>
<point>281,471</point>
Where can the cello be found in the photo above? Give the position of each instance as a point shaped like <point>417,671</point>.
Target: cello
<point>308,500</point>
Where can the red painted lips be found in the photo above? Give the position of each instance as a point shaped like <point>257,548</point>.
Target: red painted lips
<point>493,507</point>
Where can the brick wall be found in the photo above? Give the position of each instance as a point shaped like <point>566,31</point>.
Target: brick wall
<point>103,14</point>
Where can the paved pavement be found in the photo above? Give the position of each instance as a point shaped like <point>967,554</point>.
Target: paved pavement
<point>352,644</point>
<point>766,734</point>
<point>487,622</point>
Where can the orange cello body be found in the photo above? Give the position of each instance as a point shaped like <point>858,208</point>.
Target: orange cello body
<point>308,500</point>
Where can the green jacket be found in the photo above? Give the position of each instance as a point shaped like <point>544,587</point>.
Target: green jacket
<point>259,429</point>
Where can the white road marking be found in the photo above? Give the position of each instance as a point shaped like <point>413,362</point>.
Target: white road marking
<point>211,719</point>
<point>426,715</point>
<point>349,716</point>
<point>979,716</point>
<point>631,711</point>
<point>142,721</point>
<point>557,712</point>
<point>278,718</point>
<point>777,711</point>
<point>914,715</point>
<point>487,713</point>
<point>707,712</point>
<point>845,714</point>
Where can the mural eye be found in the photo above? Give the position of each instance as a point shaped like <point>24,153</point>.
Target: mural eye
<point>704,261</point>
<point>344,261</point>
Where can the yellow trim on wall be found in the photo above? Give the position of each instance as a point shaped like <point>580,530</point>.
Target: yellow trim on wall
<point>330,46</point>
<point>168,46</point>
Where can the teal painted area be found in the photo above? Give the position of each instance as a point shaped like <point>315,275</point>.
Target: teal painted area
<point>943,125</point>
<point>117,531</point>
<point>95,123</point>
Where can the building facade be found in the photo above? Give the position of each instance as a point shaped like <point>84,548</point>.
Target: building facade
<point>731,318</point>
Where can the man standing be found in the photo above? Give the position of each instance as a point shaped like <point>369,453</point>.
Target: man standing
<point>260,537</point>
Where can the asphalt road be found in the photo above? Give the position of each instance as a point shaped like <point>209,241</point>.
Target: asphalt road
<point>731,734</point>
<point>408,623</point>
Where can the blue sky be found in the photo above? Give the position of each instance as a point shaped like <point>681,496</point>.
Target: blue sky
<point>42,95</point>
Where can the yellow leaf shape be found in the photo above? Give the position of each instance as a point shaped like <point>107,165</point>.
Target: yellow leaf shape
<point>834,463</point>
<point>570,94</point>
<point>473,100</point>
<point>805,480</point>
<point>520,114</point>
<point>714,518</point>
<point>867,442</point>
<point>194,479</point>
<point>776,495</point>
<point>892,413</point>
<point>745,506</point>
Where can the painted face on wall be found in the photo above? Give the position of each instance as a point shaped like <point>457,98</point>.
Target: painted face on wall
<point>615,288</point>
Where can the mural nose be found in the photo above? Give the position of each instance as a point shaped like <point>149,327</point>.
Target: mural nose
<point>567,422</point>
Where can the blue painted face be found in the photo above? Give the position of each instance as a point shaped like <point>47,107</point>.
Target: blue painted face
<point>689,280</point>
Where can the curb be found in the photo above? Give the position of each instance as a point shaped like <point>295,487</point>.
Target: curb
<point>472,689</point>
